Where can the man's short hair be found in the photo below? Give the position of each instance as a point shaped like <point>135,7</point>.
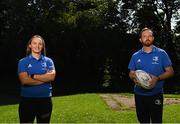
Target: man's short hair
<point>144,29</point>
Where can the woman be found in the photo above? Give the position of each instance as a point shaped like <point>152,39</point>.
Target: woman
<point>36,71</point>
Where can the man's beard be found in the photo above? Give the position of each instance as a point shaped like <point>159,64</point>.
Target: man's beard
<point>147,43</point>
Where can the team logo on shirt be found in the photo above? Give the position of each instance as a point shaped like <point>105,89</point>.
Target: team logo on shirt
<point>139,60</point>
<point>29,66</point>
<point>44,66</point>
<point>155,60</point>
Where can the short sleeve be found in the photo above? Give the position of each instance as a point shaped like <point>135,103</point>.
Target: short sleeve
<point>166,61</point>
<point>22,66</point>
<point>50,64</point>
<point>131,65</point>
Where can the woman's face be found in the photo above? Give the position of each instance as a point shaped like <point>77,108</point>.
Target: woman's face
<point>36,45</point>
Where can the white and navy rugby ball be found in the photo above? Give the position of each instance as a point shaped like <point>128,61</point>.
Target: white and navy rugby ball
<point>143,78</point>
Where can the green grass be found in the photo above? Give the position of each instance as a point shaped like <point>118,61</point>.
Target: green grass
<point>171,114</point>
<point>9,113</point>
<point>171,96</point>
<point>88,108</point>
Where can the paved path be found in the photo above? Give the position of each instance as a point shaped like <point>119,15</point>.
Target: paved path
<point>119,102</point>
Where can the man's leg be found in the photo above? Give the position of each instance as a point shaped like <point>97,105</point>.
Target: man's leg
<point>157,108</point>
<point>142,109</point>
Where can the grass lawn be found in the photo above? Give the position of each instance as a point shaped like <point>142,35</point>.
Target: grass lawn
<point>88,108</point>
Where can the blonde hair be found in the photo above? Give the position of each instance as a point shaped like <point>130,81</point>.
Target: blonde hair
<point>28,49</point>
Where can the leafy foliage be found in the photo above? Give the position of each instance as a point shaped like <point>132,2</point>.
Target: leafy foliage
<point>81,34</point>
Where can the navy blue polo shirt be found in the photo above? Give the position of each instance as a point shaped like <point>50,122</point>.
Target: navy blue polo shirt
<point>154,63</point>
<point>33,66</point>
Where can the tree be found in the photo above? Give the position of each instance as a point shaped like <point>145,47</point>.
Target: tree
<point>156,14</point>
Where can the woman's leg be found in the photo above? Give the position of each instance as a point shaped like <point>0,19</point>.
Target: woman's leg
<point>26,111</point>
<point>44,110</point>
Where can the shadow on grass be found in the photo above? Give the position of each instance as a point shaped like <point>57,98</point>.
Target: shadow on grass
<point>9,100</point>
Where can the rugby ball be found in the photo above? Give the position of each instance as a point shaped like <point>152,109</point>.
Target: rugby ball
<point>143,78</point>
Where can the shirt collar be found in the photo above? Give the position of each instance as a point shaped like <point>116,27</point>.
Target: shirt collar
<point>41,57</point>
<point>154,48</point>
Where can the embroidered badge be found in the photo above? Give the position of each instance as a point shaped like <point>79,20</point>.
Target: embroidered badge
<point>155,60</point>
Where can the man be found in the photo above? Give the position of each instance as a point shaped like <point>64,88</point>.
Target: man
<point>156,62</point>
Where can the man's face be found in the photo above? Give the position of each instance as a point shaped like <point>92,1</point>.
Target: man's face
<point>147,38</point>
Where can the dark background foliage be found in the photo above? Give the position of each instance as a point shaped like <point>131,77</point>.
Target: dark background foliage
<point>90,41</point>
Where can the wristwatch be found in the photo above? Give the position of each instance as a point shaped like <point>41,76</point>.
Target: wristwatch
<point>32,76</point>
